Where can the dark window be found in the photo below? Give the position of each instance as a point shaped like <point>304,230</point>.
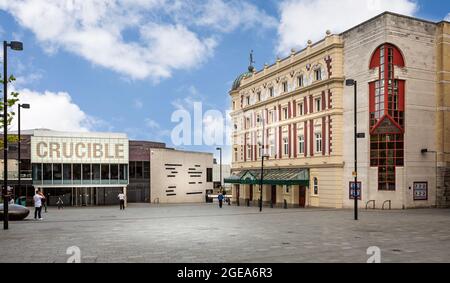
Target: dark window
<point>316,186</point>
<point>146,170</point>
<point>77,172</point>
<point>67,172</point>
<point>47,172</point>
<point>114,171</point>
<point>105,171</point>
<point>271,92</point>
<point>57,172</point>
<point>209,175</point>
<point>139,172</point>
<point>96,172</point>
<point>285,87</point>
<point>123,171</point>
<point>132,169</point>
<point>87,172</point>
<point>37,172</point>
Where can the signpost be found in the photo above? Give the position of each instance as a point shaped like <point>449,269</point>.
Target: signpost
<point>421,191</point>
<point>358,190</point>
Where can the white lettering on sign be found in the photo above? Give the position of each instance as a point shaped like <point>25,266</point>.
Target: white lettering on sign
<point>66,149</point>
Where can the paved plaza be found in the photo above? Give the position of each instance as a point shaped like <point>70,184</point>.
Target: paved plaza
<point>205,233</point>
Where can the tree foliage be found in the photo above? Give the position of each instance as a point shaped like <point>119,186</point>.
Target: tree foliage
<point>13,98</point>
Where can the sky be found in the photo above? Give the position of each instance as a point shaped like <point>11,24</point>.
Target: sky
<point>129,65</point>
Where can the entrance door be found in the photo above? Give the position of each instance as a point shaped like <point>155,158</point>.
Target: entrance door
<point>274,195</point>
<point>302,197</point>
<point>238,195</point>
<point>251,193</point>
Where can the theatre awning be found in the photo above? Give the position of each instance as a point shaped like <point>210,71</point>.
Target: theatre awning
<point>271,177</point>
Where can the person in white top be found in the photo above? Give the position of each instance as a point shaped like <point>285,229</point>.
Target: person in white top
<point>37,198</point>
<point>121,197</point>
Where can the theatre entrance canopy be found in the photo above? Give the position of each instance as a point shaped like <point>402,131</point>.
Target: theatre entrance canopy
<point>289,177</point>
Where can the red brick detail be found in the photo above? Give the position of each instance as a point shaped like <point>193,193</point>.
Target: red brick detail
<point>294,109</point>
<point>330,138</point>
<point>305,129</point>
<point>311,137</point>
<point>324,137</point>
<point>330,99</point>
<point>323,101</point>
<point>305,103</point>
<point>328,61</point>
<point>295,140</point>
<point>290,141</point>
<point>280,143</point>
<point>245,147</point>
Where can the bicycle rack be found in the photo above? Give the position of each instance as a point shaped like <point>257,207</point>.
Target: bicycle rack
<point>367,204</point>
<point>390,204</point>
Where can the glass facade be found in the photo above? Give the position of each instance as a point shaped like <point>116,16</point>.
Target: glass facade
<point>79,174</point>
<point>387,96</point>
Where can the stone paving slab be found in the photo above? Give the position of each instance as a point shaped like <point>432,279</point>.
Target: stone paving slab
<point>205,233</point>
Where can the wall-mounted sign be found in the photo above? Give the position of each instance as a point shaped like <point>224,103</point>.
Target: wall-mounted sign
<point>79,149</point>
<point>358,190</point>
<point>420,191</point>
<point>386,126</point>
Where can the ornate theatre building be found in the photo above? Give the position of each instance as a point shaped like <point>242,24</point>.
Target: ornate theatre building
<point>298,116</point>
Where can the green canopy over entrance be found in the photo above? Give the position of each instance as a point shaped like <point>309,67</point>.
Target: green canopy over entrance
<point>271,177</point>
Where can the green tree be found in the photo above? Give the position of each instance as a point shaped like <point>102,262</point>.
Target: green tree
<point>13,99</point>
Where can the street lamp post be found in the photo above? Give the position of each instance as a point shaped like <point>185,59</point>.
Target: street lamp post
<point>24,106</point>
<point>17,46</point>
<point>220,174</point>
<point>263,156</point>
<point>354,83</point>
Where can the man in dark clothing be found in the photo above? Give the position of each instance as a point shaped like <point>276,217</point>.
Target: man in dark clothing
<point>221,197</point>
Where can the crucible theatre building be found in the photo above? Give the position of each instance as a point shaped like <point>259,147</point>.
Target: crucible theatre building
<point>298,114</point>
<point>87,169</point>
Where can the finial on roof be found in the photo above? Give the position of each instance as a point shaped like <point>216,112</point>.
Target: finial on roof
<point>251,68</point>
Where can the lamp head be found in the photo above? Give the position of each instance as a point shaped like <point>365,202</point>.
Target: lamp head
<point>25,106</point>
<point>16,45</point>
<point>350,82</point>
<point>425,150</point>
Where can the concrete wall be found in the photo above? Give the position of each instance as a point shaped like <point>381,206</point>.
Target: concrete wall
<point>179,176</point>
<point>416,39</point>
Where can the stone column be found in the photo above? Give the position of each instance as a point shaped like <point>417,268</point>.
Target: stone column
<point>126,197</point>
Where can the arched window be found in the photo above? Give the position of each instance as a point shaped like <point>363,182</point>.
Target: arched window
<point>387,115</point>
<point>316,186</point>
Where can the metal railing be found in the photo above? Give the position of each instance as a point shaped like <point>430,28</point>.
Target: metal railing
<point>370,201</point>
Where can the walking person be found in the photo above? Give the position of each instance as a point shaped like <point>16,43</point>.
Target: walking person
<point>37,198</point>
<point>44,201</point>
<point>60,203</point>
<point>121,197</point>
<point>221,197</point>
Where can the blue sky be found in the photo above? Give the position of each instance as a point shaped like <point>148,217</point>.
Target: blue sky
<point>126,66</point>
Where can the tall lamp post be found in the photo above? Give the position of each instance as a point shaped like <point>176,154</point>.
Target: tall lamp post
<point>24,106</point>
<point>263,156</point>
<point>17,46</point>
<point>220,169</point>
<point>354,83</point>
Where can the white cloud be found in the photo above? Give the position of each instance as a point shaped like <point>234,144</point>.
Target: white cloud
<point>138,104</point>
<point>448,17</point>
<point>97,30</point>
<point>303,20</point>
<point>53,110</point>
<point>152,124</point>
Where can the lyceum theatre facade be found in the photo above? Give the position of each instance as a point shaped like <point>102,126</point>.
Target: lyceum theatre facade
<point>402,66</point>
